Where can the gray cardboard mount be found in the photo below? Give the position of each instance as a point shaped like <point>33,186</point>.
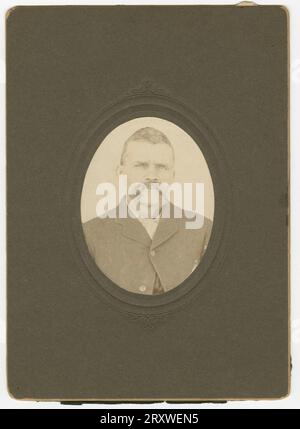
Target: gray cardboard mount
<point>73,74</point>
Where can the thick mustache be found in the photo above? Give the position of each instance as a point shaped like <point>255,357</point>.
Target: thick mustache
<point>149,183</point>
<point>148,186</point>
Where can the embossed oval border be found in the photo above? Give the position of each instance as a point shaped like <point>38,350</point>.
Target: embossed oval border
<point>143,103</point>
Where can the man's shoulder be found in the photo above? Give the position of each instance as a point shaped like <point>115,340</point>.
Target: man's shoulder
<point>195,222</point>
<point>97,225</point>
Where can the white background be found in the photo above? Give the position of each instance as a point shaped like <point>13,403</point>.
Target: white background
<point>293,401</point>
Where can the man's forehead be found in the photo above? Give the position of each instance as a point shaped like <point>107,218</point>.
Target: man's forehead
<point>144,148</point>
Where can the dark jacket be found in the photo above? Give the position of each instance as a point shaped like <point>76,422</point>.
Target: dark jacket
<point>124,252</point>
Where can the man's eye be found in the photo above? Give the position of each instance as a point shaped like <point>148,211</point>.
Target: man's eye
<point>141,164</point>
<point>162,167</point>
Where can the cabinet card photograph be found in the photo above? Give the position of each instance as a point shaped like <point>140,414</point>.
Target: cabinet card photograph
<point>147,206</point>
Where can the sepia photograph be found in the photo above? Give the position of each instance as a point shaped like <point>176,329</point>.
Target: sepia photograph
<point>147,206</point>
<point>147,260</point>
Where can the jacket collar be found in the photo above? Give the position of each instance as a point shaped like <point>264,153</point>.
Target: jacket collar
<point>132,228</point>
<point>165,230</point>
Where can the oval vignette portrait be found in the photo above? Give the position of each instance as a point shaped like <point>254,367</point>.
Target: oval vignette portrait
<point>147,206</point>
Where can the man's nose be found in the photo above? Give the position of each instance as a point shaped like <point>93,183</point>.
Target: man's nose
<point>151,175</point>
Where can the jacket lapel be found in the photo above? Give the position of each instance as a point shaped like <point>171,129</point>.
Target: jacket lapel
<point>133,229</point>
<point>165,230</point>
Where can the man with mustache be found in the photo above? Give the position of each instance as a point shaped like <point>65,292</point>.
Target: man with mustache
<point>147,254</point>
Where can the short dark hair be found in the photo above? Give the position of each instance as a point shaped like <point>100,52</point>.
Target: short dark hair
<point>151,135</point>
